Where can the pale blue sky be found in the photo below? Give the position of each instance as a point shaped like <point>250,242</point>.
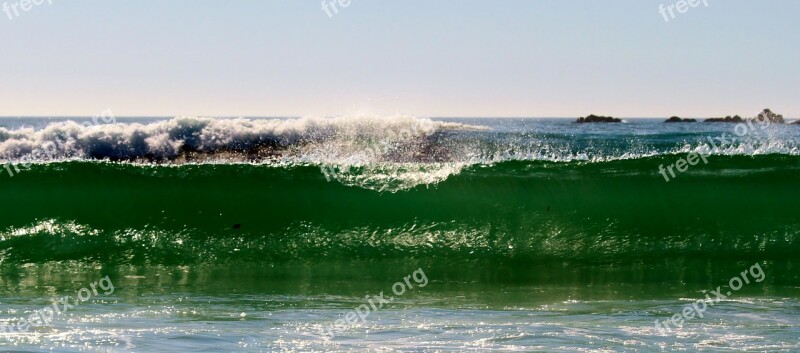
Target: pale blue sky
<point>426,58</point>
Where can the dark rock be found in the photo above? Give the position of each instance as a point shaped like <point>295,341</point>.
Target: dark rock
<point>676,119</point>
<point>768,115</point>
<point>727,119</point>
<point>598,119</point>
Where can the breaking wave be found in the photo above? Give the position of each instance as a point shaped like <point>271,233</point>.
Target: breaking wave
<point>377,153</point>
<point>188,139</point>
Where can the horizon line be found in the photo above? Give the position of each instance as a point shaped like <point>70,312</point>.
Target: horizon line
<point>339,116</point>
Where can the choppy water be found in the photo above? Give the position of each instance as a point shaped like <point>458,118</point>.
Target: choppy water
<point>257,235</point>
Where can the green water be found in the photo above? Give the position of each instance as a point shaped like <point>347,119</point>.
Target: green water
<point>736,207</point>
<point>520,256</point>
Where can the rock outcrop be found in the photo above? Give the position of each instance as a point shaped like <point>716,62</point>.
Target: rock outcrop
<point>727,119</point>
<point>768,115</point>
<point>676,119</point>
<point>598,119</point>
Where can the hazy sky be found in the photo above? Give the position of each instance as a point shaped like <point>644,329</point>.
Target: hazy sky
<point>426,58</point>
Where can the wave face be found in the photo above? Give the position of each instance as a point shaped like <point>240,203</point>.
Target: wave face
<point>533,211</point>
<point>238,190</point>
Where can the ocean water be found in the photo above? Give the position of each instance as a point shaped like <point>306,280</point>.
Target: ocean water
<point>398,234</point>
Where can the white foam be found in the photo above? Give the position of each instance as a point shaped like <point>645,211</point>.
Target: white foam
<point>307,139</point>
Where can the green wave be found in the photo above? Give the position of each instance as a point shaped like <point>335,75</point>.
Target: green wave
<point>736,207</point>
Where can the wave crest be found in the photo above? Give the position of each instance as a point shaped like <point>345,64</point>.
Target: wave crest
<point>185,139</point>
